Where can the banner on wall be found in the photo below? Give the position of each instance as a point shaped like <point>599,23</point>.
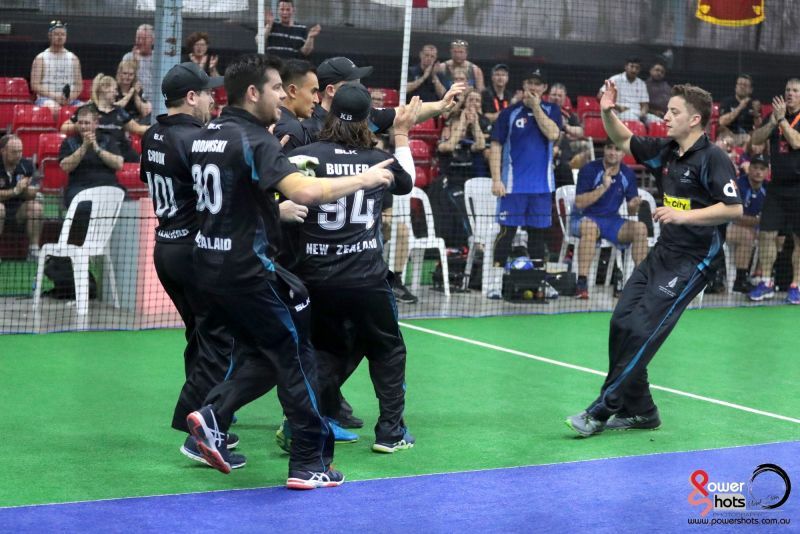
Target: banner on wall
<point>735,13</point>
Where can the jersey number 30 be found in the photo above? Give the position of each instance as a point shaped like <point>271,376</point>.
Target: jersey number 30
<point>208,186</point>
<point>340,209</point>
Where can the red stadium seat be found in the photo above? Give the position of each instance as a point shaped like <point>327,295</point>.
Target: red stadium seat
<point>420,151</point>
<point>128,177</point>
<point>657,129</point>
<point>65,114</point>
<point>427,130</point>
<point>136,142</point>
<point>766,110</point>
<point>49,146</point>
<point>28,122</point>
<point>53,178</point>
<point>86,92</point>
<point>629,160</point>
<point>15,90</point>
<point>593,127</point>
<point>588,106</point>
<point>715,110</point>
<point>636,127</point>
<point>391,98</point>
<point>6,116</point>
<point>423,178</point>
<point>220,96</point>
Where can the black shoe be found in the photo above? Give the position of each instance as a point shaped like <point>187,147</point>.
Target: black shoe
<point>629,422</point>
<point>742,286</point>
<point>190,450</point>
<point>349,421</point>
<point>402,294</point>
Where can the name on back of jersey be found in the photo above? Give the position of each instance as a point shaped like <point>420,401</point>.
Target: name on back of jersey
<point>345,169</point>
<point>321,249</point>
<point>213,243</point>
<point>208,145</point>
<point>155,156</point>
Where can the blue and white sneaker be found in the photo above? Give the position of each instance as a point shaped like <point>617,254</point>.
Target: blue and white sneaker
<point>762,291</point>
<point>341,435</point>
<point>190,450</point>
<point>306,480</point>
<point>283,436</point>
<point>793,296</point>
<point>211,441</point>
<point>407,442</point>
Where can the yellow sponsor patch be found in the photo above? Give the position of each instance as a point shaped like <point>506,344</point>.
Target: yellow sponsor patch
<point>678,203</point>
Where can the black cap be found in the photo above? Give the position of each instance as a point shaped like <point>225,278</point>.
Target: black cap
<point>501,66</point>
<point>186,77</point>
<point>761,159</point>
<point>340,69</point>
<point>351,103</point>
<point>537,74</point>
<point>54,24</point>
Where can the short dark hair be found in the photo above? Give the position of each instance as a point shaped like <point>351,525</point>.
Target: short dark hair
<point>745,76</point>
<point>89,108</point>
<point>175,102</point>
<point>194,37</point>
<point>659,62</point>
<point>6,138</point>
<point>295,70</point>
<point>696,97</point>
<point>633,59</point>
<point>349,134</point>
<point>247,70</point>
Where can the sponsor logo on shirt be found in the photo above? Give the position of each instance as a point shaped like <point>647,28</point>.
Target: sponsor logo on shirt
<point>678,203</point>
<point>669,287</point>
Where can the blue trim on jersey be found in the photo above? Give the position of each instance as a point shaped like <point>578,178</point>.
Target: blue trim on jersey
<point>285,316</point>
<point>713,250</point>
<point>247,150</point>
<point>654,162</point>
<point>260,244</point>
<point>628,368</point>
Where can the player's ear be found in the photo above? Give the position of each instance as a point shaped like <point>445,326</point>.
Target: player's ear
<point>291,90</point>
<point>252,93</point>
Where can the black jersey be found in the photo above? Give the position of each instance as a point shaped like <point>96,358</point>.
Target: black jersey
<point>235,165</point>
<point>340,243</point>
<point>785,159</point>
<point>289,125</point>
<point>380,120</point>
<point>700,178</point>
<point>166,171</point>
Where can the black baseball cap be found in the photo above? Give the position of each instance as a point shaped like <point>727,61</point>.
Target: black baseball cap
<point>351,103</point>
<point>537,74</point>
<point>500,66</point>
<point>54,24</point>
<point>761,159</point>
<point>340,69</point>
<point>186,77</point>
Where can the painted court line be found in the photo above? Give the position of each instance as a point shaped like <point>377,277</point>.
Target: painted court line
<point>596,372</point>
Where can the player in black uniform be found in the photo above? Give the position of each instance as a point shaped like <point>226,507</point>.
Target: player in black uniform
<point>237,167</point>
<point>341,263</point>
<point>698,183</point>
<point>165,169</point>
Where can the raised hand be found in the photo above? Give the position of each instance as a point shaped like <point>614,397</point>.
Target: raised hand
<point>314,30</point>
<point>406,116</point>
<point>778,108</point>
<point>609,99</point>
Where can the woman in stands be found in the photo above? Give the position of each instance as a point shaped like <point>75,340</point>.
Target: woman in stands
<point>129,91</point>
<point>112,119</point>
<point>197,45</point>
<point>463,148</point>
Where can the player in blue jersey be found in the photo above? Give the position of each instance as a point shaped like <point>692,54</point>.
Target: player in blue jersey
<point>520,161</point>
<point>742,233</point>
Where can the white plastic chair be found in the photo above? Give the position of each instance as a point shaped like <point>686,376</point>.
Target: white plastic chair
<point>565,202</point>
<point>106,203</point>
<point>627,260</point>
<point>481,210</point>
<point>401,214</point>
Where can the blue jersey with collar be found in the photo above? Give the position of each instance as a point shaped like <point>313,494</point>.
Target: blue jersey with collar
<point>623,187</point>
<point>752,201</point>
<point>527,155</point>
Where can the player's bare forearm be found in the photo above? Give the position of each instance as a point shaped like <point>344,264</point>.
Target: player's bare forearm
<point>760,135</point>
<point>618,132</point>
<point>494,161</point>
<point>714,215</point>
<point>547,125</point>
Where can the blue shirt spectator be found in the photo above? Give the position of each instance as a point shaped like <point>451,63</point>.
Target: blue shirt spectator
<point>623,186</point>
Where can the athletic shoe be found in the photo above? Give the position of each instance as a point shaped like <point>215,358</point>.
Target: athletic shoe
<point>793,296</point>
<point>402,294</point>
<point>307,480</point>
<point>550,292</point>
<point>407,442</point>
<point>210,440</point>
<point>762,291</point>
<point>585,425</point>
<point>582,291</point>
<point>190,450</point>
<point>346,420</point>
<point>643,422</point>
<point>340,434</point>
<point>232,441</point>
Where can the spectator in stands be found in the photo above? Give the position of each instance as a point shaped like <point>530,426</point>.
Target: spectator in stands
<point>570,152</point>
<point>463,148</point>
<point>742,232</point>
<point>112,119</point>
<point>727,142</point>
<point>658,89</point>
<point>632,97</point>
<point>142,54</point>
<point>739,113</point>
<point>422,79</point>
<point>458,59</point>
<point>18,204</point>
<point>521,168</point>
<point>285,38</point>
<point>130,95</point>
<point>497,97</point>
<point>602,186</point>
<point>197,52</point>
<point>56,77</point>
<point>92,158</point>
<point>572,128</point>
<point>377,96</point>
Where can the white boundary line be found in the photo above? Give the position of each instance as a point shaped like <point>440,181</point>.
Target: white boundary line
<point>596,372</point>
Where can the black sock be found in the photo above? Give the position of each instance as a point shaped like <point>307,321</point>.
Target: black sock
<point>398,278</point>
<point>741,275</point>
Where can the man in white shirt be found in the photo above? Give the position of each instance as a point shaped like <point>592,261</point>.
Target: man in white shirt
<point>56,73</point>
<point>632,96</point>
